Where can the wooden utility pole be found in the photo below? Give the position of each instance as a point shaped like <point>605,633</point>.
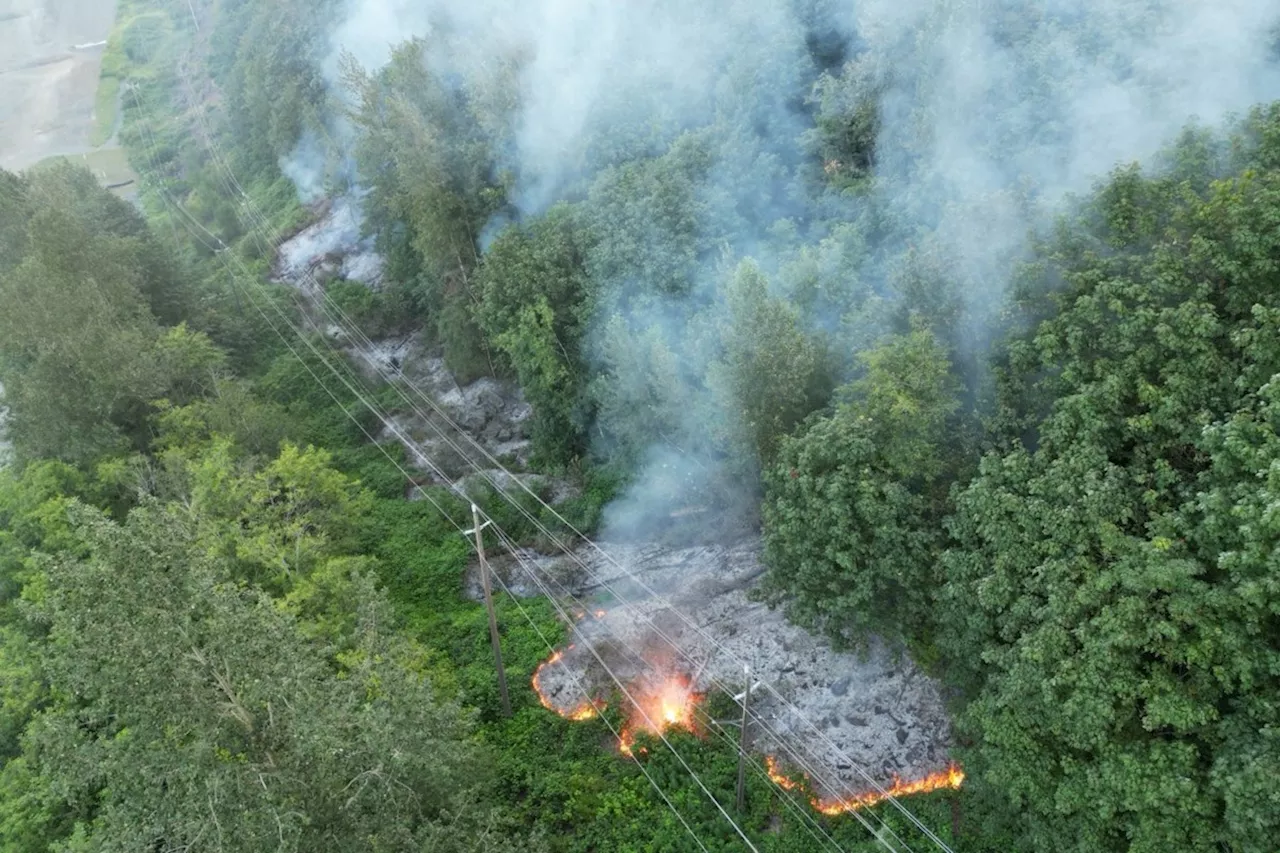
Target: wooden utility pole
<point>488,605</point>
<point>742,744</point>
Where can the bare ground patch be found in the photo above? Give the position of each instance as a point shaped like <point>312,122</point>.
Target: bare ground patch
<point>50,62</point>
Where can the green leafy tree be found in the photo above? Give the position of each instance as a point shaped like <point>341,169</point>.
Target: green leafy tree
<point>535,301</point>
<point>646,215</point>
<point>274,83</point>
<point>853,503</point>
<point>81,352</point>
<point>643,394</point>
<point>773,373</point>
<point>280,522</point>
<point>75,332</point>
<point>194,715</point>
<point>1104,599</point>
<point>425,156</point>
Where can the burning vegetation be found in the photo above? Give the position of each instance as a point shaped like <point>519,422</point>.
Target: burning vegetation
<point>951,778</point>
<point>661,700</point>
<point>587,709</point>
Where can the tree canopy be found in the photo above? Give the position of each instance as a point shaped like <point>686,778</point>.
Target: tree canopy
<point>762,262</point>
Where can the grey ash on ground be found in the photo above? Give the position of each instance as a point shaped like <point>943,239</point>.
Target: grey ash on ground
<point>875,711</point>
<point>843,711</point>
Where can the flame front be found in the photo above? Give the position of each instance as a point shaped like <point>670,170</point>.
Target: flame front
<point>951,778</point>
<point>585,710</point>
<point>659,705</point>
<point>664,702</point>
<point>779,778</point>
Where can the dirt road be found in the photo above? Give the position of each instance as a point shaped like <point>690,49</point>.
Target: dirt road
<point>50,58</point>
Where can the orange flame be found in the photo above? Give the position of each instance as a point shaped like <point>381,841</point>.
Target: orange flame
<point>666,704</point>
<point>583,711</point>
<point>951,778</point>
<point>662,702</point>
<point>779,778</point>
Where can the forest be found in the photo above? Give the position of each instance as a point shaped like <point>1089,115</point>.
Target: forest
<point>969,309</point>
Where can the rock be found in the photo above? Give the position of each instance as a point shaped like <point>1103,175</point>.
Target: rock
<point>901,735</point>
<point>841,687</point>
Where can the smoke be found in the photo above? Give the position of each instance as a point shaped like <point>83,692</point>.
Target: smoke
<point>337,232</point>
<point>305,166</point>
<point>989,116</point>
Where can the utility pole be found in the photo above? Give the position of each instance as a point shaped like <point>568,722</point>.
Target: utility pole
<point>742,744</point>
<point>488,605</point>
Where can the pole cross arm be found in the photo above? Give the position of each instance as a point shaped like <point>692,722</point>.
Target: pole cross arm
<point>475,513</point>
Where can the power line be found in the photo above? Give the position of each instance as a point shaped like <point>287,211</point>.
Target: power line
<point>573,556</point>
<point>348,326</point>
<point>885,793</point>
<point>795,756</point>
<point>259,229</point>
<point>684,822</point>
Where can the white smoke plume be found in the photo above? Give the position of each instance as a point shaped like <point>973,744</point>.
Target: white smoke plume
<point>305,166</point>
<point>988,92</point>
<point>991,113</point>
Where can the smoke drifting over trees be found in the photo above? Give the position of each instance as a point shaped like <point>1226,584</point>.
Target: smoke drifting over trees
<point>879,160</point>
<point>968,309</point>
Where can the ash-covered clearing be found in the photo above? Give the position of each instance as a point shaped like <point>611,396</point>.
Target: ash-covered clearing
<point>491,412</point>
<point>842,711</point>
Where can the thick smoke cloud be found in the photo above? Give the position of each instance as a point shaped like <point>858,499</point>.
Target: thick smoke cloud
<point>991,113</point>
<point>595,68</point>
<point>976,96</point>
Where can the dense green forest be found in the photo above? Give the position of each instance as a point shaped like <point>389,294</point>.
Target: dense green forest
<point>223,627</point>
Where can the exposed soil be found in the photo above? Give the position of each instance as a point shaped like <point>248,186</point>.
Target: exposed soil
<point>50,59</point>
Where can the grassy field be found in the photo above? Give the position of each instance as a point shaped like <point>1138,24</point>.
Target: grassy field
<point>110,165</point>
<point>106,111</point>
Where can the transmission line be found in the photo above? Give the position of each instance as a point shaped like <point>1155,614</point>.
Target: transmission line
<point>386,422</point>
<point>260,229</point>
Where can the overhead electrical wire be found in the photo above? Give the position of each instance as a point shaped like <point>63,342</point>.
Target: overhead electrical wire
<point>260,229</point>
<point>220,251</point>
<point>807,819</point>
<point>344,323</point>
<point>794,755</point>
<point>599,580</point>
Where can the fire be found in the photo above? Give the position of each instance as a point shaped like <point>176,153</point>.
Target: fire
<point>662,703</point>
<point>779,778</point>
<point>583,711</point>
<point>951,778</point>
